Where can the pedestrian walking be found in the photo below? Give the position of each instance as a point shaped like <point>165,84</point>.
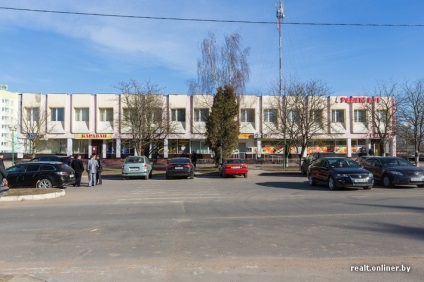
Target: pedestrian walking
<point>194,158</point>
<point>3,170</point>
<point>99,170</point>
<point>92,170</point>
<point>78,166</point>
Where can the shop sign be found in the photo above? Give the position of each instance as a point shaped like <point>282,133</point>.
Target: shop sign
<point>351,100</point>
<point>244,136</point>
<point>93,136</point>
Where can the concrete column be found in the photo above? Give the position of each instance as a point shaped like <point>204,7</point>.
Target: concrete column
<point>90,148</point>
<point>118,148</point>
<point>104,146</point>
<point>165,148</point>
<point>349,147</point>
<point>69,147</point>
<point>259,148</point>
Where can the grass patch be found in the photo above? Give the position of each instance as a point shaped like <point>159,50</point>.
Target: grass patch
<point>31,191</point>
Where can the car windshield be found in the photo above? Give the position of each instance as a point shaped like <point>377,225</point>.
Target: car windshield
<point>234,161</point>
<point>341,162</point>
<point>394,162</point>
<point>135,160</point>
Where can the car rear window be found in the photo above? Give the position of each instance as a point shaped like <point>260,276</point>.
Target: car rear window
<point>135,160</point>
<point>234,161</point>
<point>47,168</point>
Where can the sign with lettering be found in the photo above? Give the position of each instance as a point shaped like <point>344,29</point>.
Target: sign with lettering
<point>351,100</point>
<point>93,136</point>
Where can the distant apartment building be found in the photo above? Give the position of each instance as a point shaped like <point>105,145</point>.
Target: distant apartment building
<point>93,123</point>
<point>9,105</point>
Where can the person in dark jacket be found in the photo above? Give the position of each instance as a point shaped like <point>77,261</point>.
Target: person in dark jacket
<point>194,158</point>
<point>99,170</point>
<point>78,166</point>
<point>3,171</point>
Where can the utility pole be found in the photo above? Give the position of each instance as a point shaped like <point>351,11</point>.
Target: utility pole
<point>280,17</point>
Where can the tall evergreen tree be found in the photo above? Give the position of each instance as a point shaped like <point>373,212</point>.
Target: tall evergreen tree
<point>222,126</point>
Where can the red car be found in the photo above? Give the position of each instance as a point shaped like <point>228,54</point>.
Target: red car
<point>233,167</point>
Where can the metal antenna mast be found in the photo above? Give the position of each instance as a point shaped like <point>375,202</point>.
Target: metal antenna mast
<point>280,17</point>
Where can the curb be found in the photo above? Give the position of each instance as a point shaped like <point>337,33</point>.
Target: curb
<point>32,197</point>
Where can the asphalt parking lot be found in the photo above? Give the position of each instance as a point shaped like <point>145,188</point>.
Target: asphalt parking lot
<point>271,226</point>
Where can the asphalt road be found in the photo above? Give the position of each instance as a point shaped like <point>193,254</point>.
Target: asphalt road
<point>270,226</point>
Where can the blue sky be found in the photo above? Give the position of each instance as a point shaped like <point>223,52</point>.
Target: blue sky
<point>56,53</point>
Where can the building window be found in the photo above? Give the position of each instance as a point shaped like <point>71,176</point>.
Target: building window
<point>247,115</point>
<point>337,116</point>
<point>360,116</point>
<point>270,115</point>
<point>381,116</point>
<point>81,114</point>
<point>33,114</point>
<point>106,114</point>
<point>201,115</point>
<point>316,117</point>
<point>178,115</point>
<point>58,114</point>
<point>293,116</point>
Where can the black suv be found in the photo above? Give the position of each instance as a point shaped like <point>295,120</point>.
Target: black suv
<point>313,157</point>
<point>51,158</point>
<point>40,175</point>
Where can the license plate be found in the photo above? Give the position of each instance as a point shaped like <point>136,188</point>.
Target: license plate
<point>72,176</point>
<point>361,180</point>
<point>235,167</point>
<point>133,168</point>
<point>416,179</point>
<point>178,167</point>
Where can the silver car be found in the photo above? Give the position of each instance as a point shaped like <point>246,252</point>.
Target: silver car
<point>137,166</point>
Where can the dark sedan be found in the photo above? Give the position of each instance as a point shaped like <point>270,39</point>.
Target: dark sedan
<point>180,167</point>
<point>40,175</point>
<point>392,171</point>
<point>339,172</point>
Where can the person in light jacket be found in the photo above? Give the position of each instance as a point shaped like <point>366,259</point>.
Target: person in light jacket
<point>92,167</point>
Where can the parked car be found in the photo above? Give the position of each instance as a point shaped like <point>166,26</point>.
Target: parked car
<point>392,171</point>
<point>313,157</point>
<point>137,166</point>
<point>51,158</point>
<point>40,175</point>
<point>233,167</point>
<point>339,172</point>
<point>3,187</point>
<point>179,167</point>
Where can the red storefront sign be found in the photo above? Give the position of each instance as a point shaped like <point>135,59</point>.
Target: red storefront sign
<point>351,100</point>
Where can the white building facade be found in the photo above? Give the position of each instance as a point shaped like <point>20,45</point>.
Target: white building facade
<point>92,123</point>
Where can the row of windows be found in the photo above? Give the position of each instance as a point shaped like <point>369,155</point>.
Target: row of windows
<point>201,115</point>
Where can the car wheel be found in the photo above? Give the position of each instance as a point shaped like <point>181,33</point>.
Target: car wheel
<point>367,187</point>
<point>167,177</point>
<point>146,177</point>
<point>387,182</point>
<point>192,176</point>
<point>44,183</point>
<point>331,183</point>
<point>420,185</point>
<point>151,174</point>
<point>311,180</point>
<point>245,175</point>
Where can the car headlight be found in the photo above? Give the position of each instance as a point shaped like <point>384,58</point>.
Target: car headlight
<point>396,173</point>
<point>370,175</point>
<point>341,175</point>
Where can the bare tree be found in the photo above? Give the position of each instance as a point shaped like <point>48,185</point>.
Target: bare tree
<point>221,66</point>
<point>411,115</point>
<point>385,101</point>
<point>143,117</point>
<point>302,113</point>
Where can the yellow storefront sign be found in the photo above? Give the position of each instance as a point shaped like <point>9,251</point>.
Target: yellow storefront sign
<point>244,136</point>
<point>93,136</point>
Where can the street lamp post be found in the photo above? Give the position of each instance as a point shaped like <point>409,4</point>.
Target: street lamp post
<point>13,128</point>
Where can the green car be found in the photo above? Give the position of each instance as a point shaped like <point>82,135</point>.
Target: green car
<point>137,166</point>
